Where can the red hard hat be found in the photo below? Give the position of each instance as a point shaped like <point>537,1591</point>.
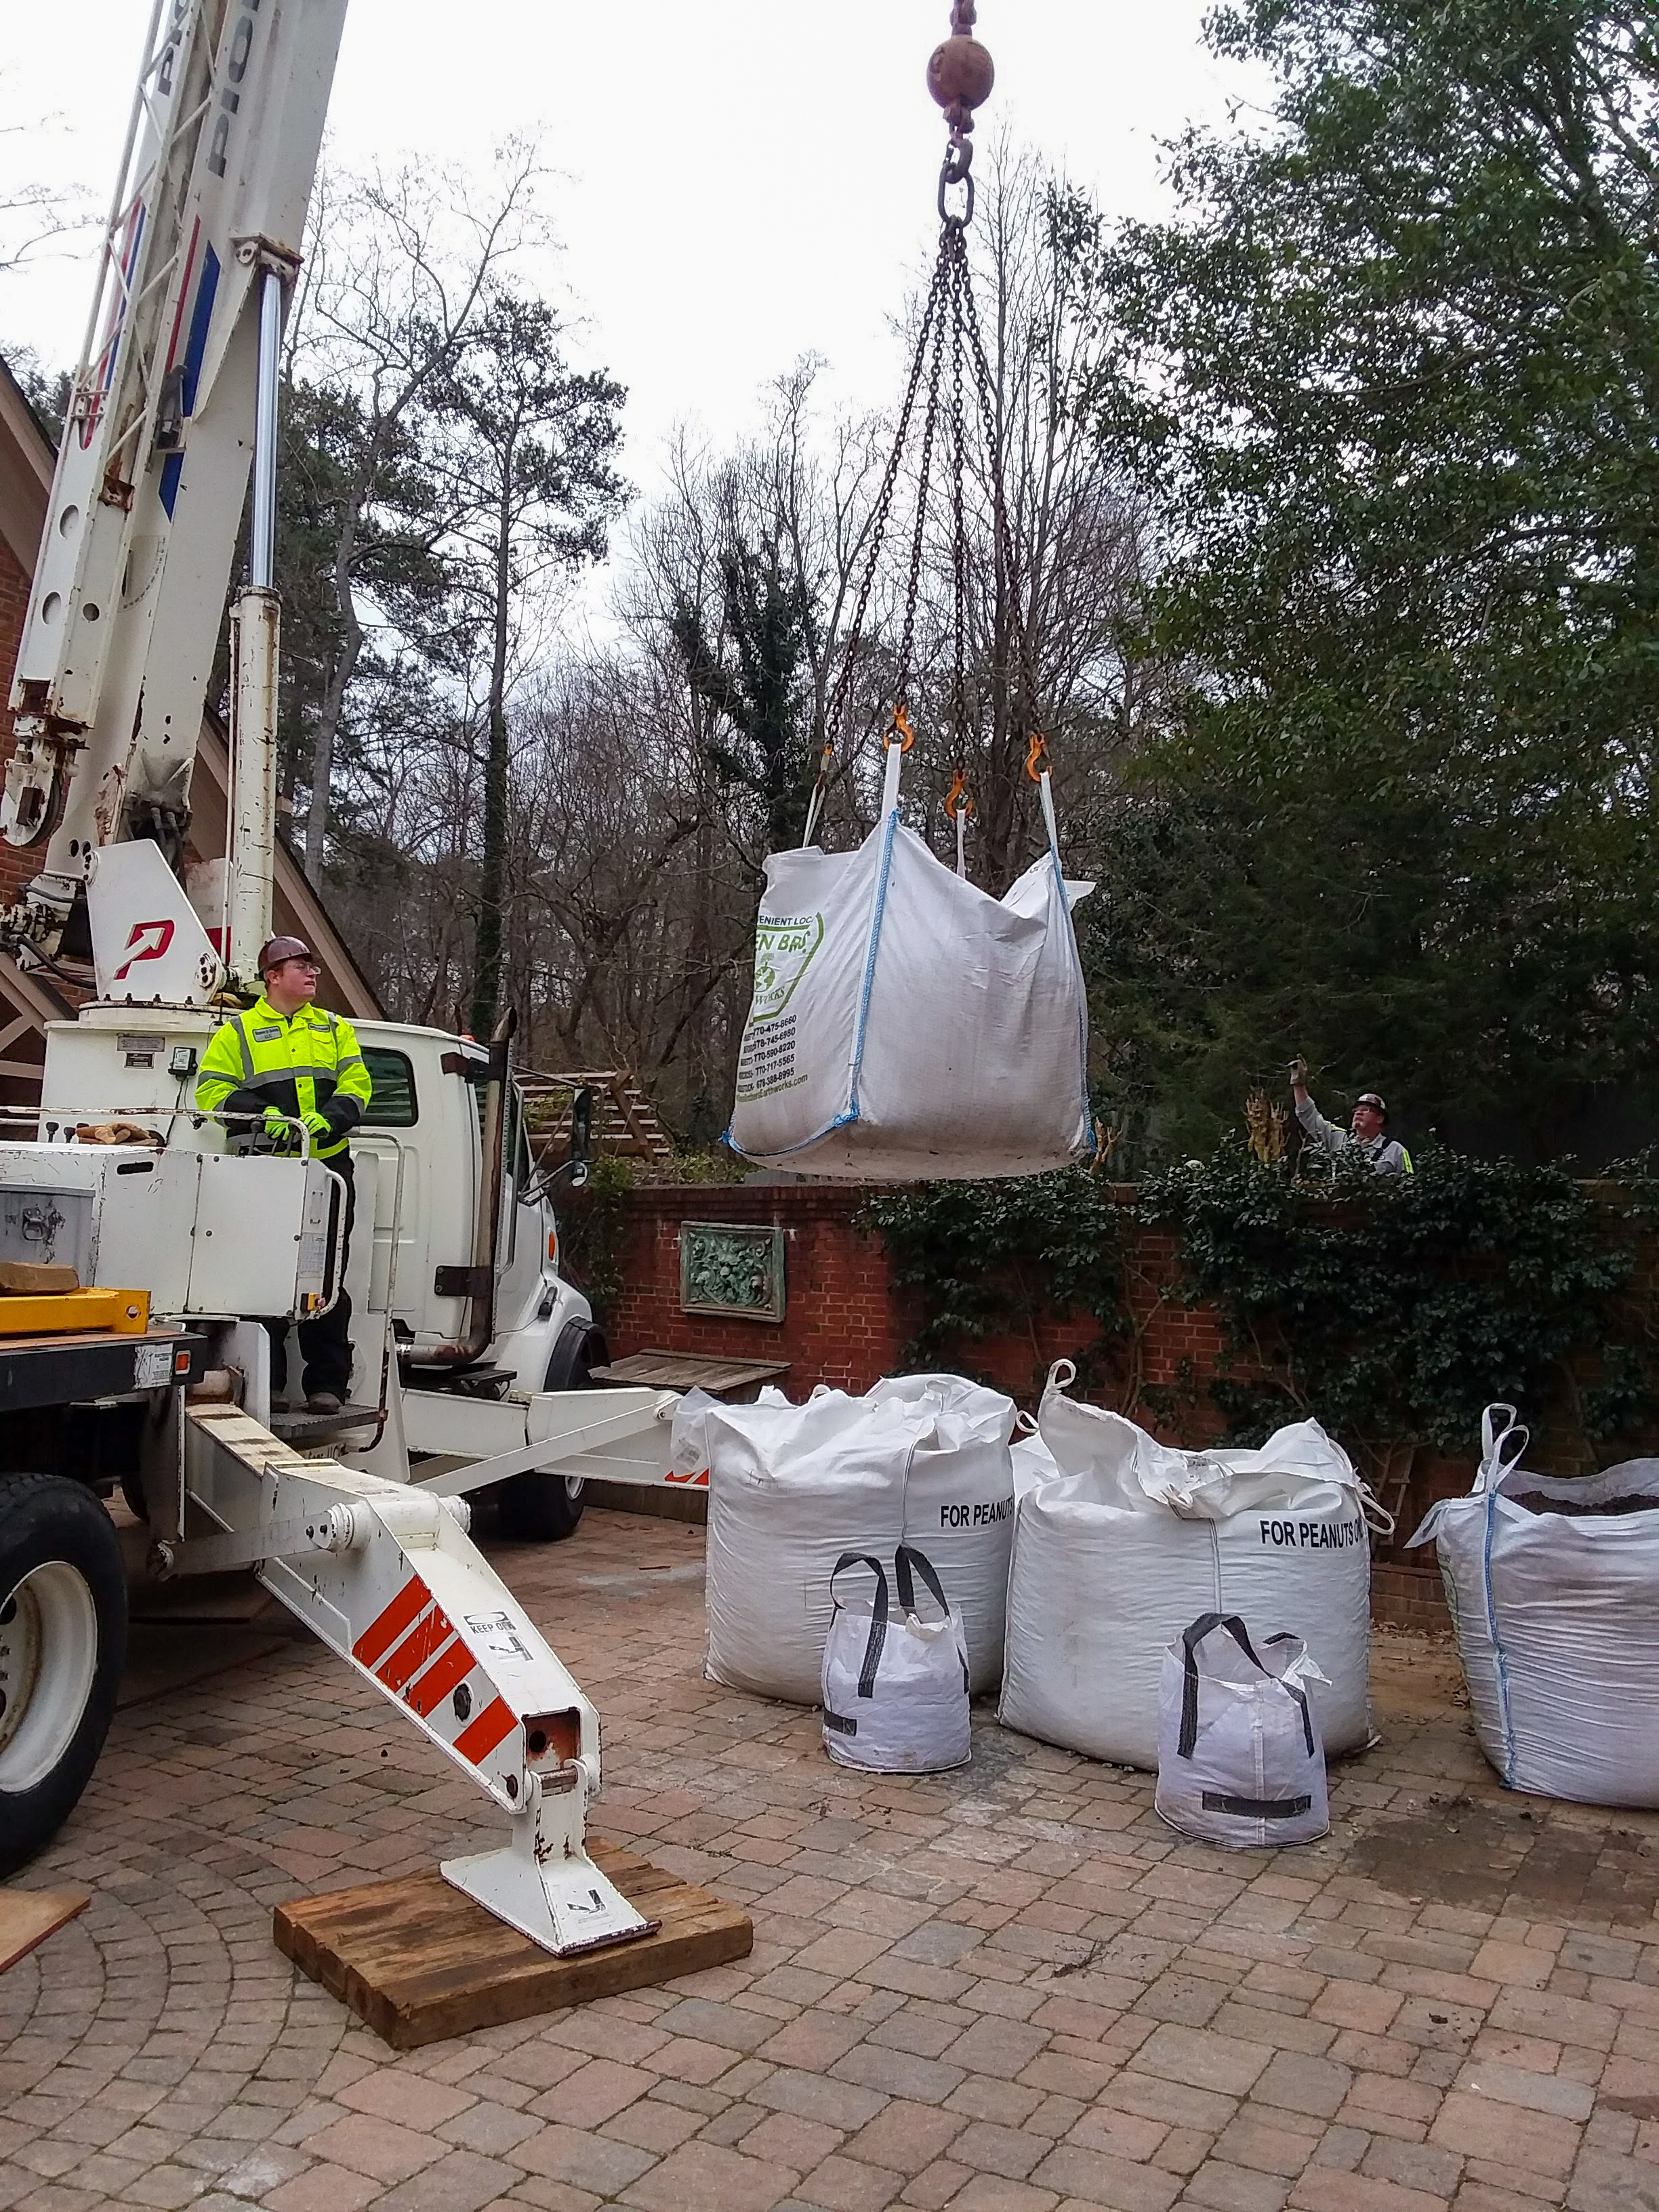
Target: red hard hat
<point>276,949</point>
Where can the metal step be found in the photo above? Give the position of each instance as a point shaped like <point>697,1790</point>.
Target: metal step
<point>300,1429</point>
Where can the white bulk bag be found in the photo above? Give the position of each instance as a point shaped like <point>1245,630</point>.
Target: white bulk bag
<point>1239,1758</point>
<point>904,1024</point>
<point>791,1487</point>
<point>1135,1539</point>
<point>959,1501</point>
<point>895,1687</point>
<point>1558,1621</point>
<point>1033,1462</point>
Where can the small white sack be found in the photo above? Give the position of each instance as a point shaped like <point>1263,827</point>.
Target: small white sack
<point>905,1025</point>
<point>1239,1757</point>
<point>1557,1618</point>
<point>895,1687</point>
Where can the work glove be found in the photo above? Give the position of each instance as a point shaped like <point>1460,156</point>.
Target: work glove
<point>280,1133</point>
<point>1300,1072</point>
<point>341,1115</point>
<point>319,1129</point>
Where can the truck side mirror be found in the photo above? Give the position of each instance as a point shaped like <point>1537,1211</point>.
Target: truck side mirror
<point>581,1135</point>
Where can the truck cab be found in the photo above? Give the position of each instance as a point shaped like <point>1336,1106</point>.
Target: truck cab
<point>422,1177</point>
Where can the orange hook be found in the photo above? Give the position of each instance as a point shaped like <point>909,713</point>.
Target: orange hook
<point>900,730</point>
<point>1037,759</point>
<point>957,799</point>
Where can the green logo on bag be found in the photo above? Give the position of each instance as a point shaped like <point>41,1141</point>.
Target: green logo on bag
<point>782,950</point>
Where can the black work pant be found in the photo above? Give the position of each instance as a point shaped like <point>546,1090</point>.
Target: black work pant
<point>325,1343</point>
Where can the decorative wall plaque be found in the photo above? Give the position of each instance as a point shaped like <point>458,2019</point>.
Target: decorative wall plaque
<point>729,1268</point>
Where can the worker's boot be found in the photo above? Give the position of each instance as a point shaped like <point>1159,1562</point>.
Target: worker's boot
<point>322,1402</point>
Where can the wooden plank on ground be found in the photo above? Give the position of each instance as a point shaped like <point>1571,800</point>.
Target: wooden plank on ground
<point>691,1371</point>
<point>418,1960</point>
<point>27,1916</point>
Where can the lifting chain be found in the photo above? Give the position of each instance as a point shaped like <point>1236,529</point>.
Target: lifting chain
<point>959,76</point>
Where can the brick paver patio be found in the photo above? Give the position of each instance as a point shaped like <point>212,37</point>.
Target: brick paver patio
<point>1006,1989</point>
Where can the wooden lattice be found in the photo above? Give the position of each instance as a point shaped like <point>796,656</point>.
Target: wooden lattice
<point>625,1123</point>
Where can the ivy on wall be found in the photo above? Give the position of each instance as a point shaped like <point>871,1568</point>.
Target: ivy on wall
<point>1388,1307</point>
<point>593,1234</point>
<point>992,1258</point>
<point>1400,1306</point>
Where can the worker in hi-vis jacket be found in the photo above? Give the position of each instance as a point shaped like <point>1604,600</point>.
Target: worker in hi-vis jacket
<point>289,1060</point>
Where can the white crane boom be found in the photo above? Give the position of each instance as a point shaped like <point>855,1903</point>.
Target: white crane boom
<point>152,473</point>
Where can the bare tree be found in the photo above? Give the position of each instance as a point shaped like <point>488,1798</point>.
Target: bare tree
<point>36,219</point>
<point>401,269</point>
<point>1044,623</point>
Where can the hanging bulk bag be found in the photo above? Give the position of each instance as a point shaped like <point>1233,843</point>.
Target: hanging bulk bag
<point>1554,1590</point>
<point>921,1459</point>
<point>1134,1539</point>
<point>906,1025</point>
<point>1239,1756</point>
<point>895,1687</point>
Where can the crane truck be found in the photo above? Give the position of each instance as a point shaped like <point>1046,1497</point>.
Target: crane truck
<point>148,1375</point>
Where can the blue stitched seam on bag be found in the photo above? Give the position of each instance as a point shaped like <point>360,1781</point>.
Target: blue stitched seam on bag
<point>1082,989</point>
<point>1502,1669</point>
<point>851,1113</point>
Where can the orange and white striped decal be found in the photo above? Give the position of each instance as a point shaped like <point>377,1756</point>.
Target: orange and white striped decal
<point>411,1648</point>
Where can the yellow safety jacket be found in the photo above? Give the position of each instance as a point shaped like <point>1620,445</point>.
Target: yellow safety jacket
<point>305,1066</point>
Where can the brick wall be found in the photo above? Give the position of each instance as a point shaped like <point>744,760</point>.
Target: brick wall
<point>844,1321</point>
<point>847,1321</point>
<point>847,1324</point>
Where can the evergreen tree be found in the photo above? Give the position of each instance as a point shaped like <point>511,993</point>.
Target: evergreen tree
<point>1394,376</point>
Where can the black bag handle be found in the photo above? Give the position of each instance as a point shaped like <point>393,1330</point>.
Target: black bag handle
<point>906,1558</point>
<point>1191,1636</point>
<point>877,1614</point>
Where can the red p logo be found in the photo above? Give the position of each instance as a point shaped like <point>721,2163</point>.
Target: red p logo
<point>148,941</point>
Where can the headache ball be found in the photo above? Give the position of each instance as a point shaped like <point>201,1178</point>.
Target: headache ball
<point>961,69</point>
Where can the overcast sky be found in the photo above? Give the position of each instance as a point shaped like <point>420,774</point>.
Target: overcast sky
<point>742,181</point>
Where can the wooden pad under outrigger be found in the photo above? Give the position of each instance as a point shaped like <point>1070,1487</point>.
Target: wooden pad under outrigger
<point>418,1961</point>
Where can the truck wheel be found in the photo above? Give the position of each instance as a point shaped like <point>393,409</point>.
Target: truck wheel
<point>544,1508</point>
<point>63,1645</point>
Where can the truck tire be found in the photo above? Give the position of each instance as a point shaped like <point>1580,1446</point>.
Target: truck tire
<point>63,1645</point>
<point>544,1508</point>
